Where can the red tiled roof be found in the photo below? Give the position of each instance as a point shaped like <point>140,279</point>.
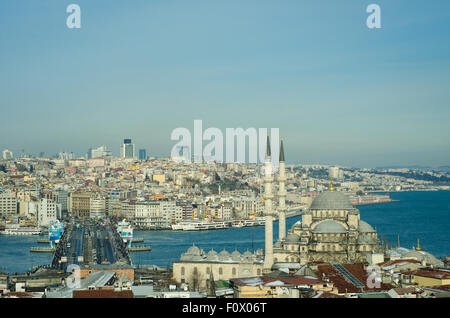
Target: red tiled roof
<point>429,273</point>
<point>398,261</point>
<point>444,288</point>
<point>341,283</point>
<point>104,293</point>
<point>329,295</point>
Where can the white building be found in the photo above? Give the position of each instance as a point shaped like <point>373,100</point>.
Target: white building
<point>7,154</point>
<point>8,205</point>
<point>99,152</point>
<point>148,215</point>
<point>246,207</point>
<point>98,207</point>
<point>334,172</point>
<point>47,212</point>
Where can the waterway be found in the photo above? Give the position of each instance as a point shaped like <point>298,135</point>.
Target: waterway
<point>417,215</point>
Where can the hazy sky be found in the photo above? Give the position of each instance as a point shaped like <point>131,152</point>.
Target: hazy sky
<point>340,93</point>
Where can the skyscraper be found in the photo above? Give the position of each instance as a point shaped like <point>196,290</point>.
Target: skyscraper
<point>99,152</point>
<point>7,154</point>
<point>142,154</point>
<point>127,149</point>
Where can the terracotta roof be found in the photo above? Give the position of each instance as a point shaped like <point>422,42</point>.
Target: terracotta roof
<point>329,295</point>
<point>342,284</point>
<point>430,273</point>
<point>398,261</point>
<point>407,290</point>
<point>102,293</point>
<point>444,288</point>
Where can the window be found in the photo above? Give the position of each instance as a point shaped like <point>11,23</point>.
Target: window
<point>234,271</point>
<point>220,271</point>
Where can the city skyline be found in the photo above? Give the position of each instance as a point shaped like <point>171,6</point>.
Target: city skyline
<point>341,94</point>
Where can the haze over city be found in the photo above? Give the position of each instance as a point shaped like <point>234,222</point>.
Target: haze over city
<point>339,92</point>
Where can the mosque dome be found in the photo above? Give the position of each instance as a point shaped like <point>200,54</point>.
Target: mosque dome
<point>329,227</point>
<point>193,250</point>
<point>192,254</point>
<point>236,256</point>
<point>292,238</point>
<point>247,254</point>
<point>224,255</point>
<point>331,200</point>
<point>212,256</point>
<point>365,227</point>
<point>424,256</point>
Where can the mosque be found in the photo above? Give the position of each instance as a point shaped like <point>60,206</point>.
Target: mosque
<point>330,231</point>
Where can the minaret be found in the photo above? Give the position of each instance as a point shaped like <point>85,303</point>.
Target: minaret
<point>268,213</point>
<point>282,196</point>
<point>331,188</point>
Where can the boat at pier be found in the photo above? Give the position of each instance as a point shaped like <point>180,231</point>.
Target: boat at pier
<point>22,231</point>
<point>125,230</point>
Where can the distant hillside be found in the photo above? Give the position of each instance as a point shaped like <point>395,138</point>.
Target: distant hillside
<point>416,167</point>
<point>405,167</point>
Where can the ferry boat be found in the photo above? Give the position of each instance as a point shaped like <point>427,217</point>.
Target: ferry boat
<point>22,231</point>
<point>55,231</point>
<point>217,225</point>
<point>125,230</point>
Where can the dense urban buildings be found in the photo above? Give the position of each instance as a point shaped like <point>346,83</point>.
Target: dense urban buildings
<point>326,254</point>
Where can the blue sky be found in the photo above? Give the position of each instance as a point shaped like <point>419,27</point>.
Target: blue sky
<point>339,92</point>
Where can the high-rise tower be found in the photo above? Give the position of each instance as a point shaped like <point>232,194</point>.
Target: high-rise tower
<point>127,149</point>
<point>282,196</point>
<point>268,212</point>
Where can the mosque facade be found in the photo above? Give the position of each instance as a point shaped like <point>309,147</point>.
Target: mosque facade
<point>330,231</point>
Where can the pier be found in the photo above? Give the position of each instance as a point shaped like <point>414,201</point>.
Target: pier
<point>42,250</point>
<point>139,249</point>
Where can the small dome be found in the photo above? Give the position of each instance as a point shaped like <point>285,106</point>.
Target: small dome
<point>329,227</point>
<point>365,227</point>
<point>193,250</point>
<point>236,256</point>
<point>424,256</point>
<point>247,254</point>
<point>224,255</point>
<point>331,200</point>
<point>212,256</point>
<point>292,238</point>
